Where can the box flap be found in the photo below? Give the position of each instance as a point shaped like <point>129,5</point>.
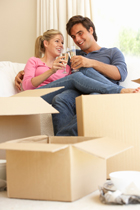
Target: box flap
<point>36,92</point>
<point>103,147</point>
<point>34,147</point>
<point>24,106</point>
<point>136,80</point>
<point>68,139</point>
<point>31,139</point>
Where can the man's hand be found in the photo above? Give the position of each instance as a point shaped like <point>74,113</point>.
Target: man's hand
<point>18,80</point>
<point>80,61</point>
<point>107,70</point>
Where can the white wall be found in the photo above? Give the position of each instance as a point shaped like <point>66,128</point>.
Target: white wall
<point>17,30</point>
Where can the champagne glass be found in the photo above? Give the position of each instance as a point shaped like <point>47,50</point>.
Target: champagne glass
<point>73,53</point>
<point>66,57</point>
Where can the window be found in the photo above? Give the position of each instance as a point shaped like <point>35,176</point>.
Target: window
<point>118,24</point>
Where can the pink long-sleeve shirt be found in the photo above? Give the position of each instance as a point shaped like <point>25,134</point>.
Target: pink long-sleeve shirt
<point>35,67</point>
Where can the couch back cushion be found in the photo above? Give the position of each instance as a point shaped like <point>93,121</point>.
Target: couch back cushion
<point>8,72</point>
<point>133,69</point>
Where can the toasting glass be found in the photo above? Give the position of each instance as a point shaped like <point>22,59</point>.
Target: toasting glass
<point>66,57</point>
<point>73,53</point>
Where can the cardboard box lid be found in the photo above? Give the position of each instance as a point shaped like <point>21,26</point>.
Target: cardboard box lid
<point>36,92</point>
<point>27,102</point>
<point>136,80</point>
<point>24,106</point>
<point>34,143</point>
<point>103,147</point>
<point>34,147</point>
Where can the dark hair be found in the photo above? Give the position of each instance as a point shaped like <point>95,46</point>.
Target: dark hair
<point>85,21</point>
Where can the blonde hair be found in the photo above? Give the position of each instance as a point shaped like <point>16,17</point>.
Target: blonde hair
<point>39,43</point>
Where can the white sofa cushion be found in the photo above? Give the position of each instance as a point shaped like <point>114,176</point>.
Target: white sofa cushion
<point>8,71</point>
<point>133,64</point>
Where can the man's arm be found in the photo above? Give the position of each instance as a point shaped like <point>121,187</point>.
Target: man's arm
<point>18,80</point>
<point>110,63</point>
<point>108,70</point>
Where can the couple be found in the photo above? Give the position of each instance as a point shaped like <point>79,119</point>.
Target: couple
<point>100,70</point>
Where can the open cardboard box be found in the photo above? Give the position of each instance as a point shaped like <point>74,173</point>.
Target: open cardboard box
<point>57,168</point>
<point>116,116</point>
<point>20,114</point>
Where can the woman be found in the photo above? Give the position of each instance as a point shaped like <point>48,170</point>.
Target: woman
<point>40,71</point>
<point>47,71</point>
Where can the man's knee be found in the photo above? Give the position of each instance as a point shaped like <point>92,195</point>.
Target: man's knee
<point>67,96</point>
<point>58,99</point>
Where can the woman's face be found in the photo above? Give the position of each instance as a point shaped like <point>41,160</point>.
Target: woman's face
<point>55,45</point>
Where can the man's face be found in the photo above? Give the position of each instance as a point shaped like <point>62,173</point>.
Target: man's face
<point>82,37</point>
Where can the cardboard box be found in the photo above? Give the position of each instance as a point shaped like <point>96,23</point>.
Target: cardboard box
<point>20,114</point>
<point>116,116</point>
<point>57,168</point>
<point>136,80</point>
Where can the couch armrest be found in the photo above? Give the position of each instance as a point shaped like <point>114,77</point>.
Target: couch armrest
<point>8,71</point>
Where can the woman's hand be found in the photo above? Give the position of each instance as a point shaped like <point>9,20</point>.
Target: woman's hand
<point>59,63</point>
<point>18,80</point>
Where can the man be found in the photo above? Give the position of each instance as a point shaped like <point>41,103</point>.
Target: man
<point>83,33</point>
<point>108,62</point>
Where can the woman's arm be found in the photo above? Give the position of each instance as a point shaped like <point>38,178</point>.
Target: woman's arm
<point>57,64</point>
<point>31,81</point>
<point>36,81</point>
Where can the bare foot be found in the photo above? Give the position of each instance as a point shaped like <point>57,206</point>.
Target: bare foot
<point>137,90</point>
<point>130,90</point>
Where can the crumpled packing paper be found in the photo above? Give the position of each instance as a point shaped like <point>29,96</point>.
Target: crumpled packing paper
<point>3,185</point>
<point>110,195</point>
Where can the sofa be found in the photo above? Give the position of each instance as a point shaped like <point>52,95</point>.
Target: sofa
<point>8,71</point>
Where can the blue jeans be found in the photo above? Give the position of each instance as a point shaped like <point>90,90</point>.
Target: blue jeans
<point>65,123</point>
<point>87,81</point>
